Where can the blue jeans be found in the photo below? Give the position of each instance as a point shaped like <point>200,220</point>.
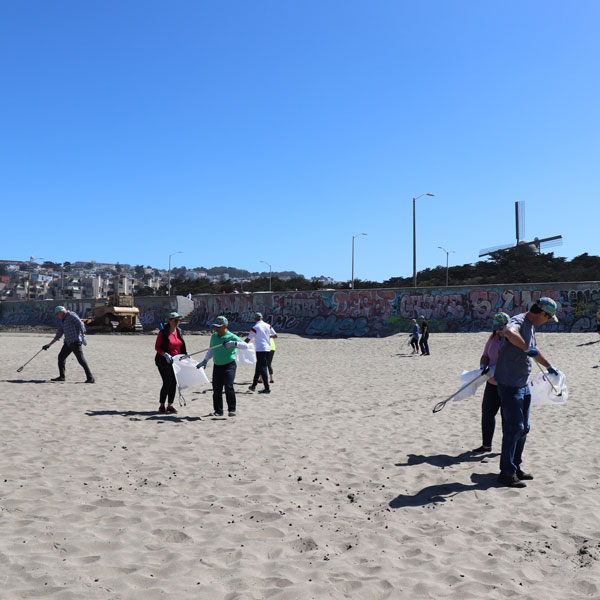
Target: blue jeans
<point>515,404</point>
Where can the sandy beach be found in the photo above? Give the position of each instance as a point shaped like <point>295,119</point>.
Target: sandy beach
<point>341,483</point>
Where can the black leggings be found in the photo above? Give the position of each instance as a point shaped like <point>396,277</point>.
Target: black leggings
<point>169,386</point>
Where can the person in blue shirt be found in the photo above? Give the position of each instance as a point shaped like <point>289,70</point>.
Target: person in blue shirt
<point>414,337</point>
<point>73,329</point>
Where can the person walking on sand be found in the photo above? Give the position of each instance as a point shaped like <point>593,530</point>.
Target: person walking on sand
<point>263,333</point>
<point>169,343</point>
<point>512,372</point>
<point>414,337</point>
<point>223,350</point>
<point>73,329</point>
<point>491,400</point>
<point>424,341</point>
<point>270,358</point>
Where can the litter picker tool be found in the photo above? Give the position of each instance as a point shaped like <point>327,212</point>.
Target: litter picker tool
<point>183,356</point>
<point>441,404</point>
<point>21,368</point>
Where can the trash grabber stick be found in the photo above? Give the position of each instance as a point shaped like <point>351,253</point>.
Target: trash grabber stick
<point>441,404</point>
<point>199,352</point>
<point>21,368</point>
<point>557,392</point>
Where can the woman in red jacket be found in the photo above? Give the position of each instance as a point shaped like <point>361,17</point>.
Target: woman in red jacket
<point>169,343</point>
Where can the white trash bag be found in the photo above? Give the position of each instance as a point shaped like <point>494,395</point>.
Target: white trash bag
<point>543,393</point>
<point>246,356</point>
<point>475,378</point>
<point>186,373</point>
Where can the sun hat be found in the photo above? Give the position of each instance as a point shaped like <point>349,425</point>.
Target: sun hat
<point>500,319</point>
<point>174,315</point>
<point>59,309</point>
<point>220,321</point>
<point>549,306</point>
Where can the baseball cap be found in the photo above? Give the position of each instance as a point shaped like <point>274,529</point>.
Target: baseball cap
<point>549,306</point>
<point>220,321</point>
<point>422,317</point>
<point>174,315</point>
<point>59,309</point>
<point>258,315</point>
<point>500,319</point>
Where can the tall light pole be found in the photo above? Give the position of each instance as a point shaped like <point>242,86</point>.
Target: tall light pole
<point>266,263</point>
<point>354,236</point>
<point>169,277</point>
<point>31,259</point>
<point>447,253</point>
<point>415,238</point>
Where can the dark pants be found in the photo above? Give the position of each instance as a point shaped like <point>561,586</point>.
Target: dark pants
<point>424,343</point>
<point>223,376</point>
<point>262,369</point>
<point>76,349</point>
<point>270,361</point>
<point>515,403</point>
<point>169,386</point>
<point>414,342</point>
<point>490,406</point>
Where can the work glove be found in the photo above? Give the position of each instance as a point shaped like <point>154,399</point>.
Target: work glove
<point>168,357</point>
<point>230,344</point>
<point>84,341</point>
<point>552,370</point>
<point>46,347</point>
<point>484,369</point>
<point>202,365</point>
<point>532,352</point>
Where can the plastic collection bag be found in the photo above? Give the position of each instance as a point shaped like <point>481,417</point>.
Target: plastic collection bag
<point>543,393</point>
<point>471,380</point>
<point>186,373</point>
<point>246,356</point>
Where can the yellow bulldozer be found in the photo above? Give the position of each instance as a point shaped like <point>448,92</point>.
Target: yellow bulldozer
<point>115,313</point>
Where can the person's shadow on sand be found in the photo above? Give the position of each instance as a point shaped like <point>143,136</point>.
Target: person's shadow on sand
<point>434,494</point>
<point>151,415</point>
<point>444,460</point>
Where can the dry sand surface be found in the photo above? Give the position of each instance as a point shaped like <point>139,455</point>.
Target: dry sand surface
<point>340,484</point>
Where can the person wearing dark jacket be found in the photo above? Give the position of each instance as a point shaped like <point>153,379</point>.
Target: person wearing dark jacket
<point>169,343</point>
<point>424,341</point>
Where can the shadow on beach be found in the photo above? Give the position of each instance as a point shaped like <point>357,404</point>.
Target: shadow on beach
<point>445,460</point>
<point>134,415</point>
<point>435,494</point>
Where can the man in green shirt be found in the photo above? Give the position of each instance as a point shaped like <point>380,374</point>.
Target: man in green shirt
<point>223,350</point>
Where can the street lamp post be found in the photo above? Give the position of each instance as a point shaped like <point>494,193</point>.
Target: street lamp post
<point>353,237</point>
<point>415,238</point>
<point>169,276</point>
<point>266,263</point>
<point>447,253</point>
<point>31,259</point>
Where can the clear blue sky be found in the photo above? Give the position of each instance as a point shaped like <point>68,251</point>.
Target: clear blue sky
<point>276,130</point>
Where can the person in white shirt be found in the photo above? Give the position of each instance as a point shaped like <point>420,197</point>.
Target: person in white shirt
<point>262,333</point>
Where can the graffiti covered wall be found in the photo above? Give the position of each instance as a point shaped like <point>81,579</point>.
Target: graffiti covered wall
<point>346,313</point>
<point>376,313</point>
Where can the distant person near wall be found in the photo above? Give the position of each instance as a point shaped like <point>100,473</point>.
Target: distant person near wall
<point>424,341</point>
<point>414,337</point>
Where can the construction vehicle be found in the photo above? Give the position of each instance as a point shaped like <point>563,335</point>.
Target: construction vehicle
<point>115,313</point>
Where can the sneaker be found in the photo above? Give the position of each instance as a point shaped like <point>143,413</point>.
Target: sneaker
<point>482,449</point>
<point>252,388</point>
<point>264,391</point>
<point>171,409</point>
<point>511,481</point>
<point>271,380</point>
<point>231,413</point>
<point>215,414</point>
<point>90,380</point>
<point>161,409</point>
<point>522,475</point>
<point>59,378</point>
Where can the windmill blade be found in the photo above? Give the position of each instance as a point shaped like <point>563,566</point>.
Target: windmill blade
<point>493,249</point>
<point>551,242</point>
<point>550,239</point>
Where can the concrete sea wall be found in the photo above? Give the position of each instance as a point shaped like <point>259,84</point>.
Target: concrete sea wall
<point>345,313</point>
